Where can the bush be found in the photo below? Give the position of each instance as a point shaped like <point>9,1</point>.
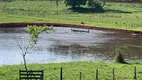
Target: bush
<point>75,3</point>
<point>119,57</point>
<point>96,4</point>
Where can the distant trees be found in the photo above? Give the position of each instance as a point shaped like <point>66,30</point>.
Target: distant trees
<point>91,3</point>
<point>75,3</point>
<point>96,4</point>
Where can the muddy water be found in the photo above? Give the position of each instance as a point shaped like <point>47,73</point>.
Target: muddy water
<point>64,45</point>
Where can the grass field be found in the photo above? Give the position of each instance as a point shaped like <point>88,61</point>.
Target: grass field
<point>116,15</point>
<point>71,71</point>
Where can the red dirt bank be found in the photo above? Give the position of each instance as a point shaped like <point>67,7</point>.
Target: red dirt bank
<point>23,24</point>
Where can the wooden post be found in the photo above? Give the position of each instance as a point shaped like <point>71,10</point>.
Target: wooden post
<point>97,74</point>
<point>42,75</point>
<point>61,74</point>
<point>80,75</point>
<point>19,75</point>
<point>113,74</point>
<point>135,73</point>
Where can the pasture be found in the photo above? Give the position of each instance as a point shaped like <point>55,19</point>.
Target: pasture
<point>115,15</point>
<point>71,71</point>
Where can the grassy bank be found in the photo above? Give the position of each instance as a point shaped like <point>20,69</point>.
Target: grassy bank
<point>116,15</point>
<point>71,71</point>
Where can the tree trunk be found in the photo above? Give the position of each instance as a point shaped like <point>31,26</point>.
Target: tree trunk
<point>25,64</point>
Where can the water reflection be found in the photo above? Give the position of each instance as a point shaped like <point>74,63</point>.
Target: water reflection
<point>63,45</point>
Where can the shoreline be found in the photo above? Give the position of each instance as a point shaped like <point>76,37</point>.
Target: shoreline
<point>23,24</point>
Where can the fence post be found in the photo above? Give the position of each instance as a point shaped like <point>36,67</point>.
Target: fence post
<point>19,75</point>
<point>135,73</point>
<point>61,74</point>
<point>97,74</point>
<point>113,74</point>
<point>80,75</point>
<point>42,75</point>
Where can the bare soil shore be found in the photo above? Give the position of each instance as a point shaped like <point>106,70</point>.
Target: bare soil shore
<point>23,24</point>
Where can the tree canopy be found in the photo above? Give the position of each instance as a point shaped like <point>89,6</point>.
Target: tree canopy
<point>94,4</point>
<point>75,3</point>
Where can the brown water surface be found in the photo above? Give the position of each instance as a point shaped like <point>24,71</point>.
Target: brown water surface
<point>64,45</point>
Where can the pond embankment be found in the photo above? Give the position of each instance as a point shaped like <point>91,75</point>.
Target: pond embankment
<point>23,24</point>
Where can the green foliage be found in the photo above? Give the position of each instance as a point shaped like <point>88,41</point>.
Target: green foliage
<point>119,57</point>
<point>34,31</point>
<point>75,3</point>
<point>95,4</point>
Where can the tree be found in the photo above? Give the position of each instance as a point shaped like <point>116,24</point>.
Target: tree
<point>34,32</point>
<point>75,3</point>
<point>96,4</point>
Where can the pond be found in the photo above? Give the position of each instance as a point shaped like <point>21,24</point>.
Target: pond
<point>64,45</point>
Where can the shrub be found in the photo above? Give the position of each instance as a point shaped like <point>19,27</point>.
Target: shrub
<point>119,57</point>
<point>75,3</point>
<point>96,4</point>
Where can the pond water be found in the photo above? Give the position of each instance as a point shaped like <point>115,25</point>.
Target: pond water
<point>64,45</point>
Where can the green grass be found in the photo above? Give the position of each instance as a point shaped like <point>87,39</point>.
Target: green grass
<point>117,15</point>
<point>71,71</point>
